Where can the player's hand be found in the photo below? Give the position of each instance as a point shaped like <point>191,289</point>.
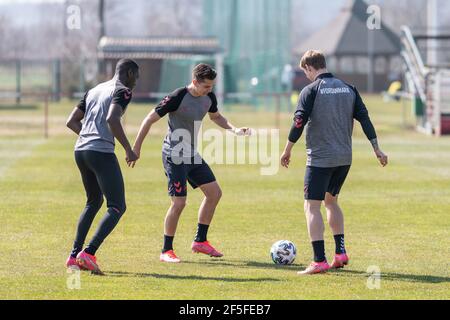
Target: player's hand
<point>137,151</point>
<point>242,131</point>
<point>285,159</point>
<point>131,158</point>
<point>382,158</point>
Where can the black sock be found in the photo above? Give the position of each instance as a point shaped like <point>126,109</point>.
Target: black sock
<point>75,251</point>
<point>202,231</point>
<point>319,251</point>
<point>168,243</point>
<point>340,244</point>
<point>91,249</point>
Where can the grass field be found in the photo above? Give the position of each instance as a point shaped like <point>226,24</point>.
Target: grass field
<point>397,218</point>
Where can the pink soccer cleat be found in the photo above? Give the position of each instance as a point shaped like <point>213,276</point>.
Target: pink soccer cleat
<point>169,256</point>
<point>71,262</point>
<point>88,262</point>
<point>315,268</point>
<point>205,248</point>
<point>339,261</point>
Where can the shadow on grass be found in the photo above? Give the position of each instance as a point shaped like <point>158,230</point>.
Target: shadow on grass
<point>190,277</point>
<point>245,264</point>
<point>394,276</point>
<point>262,265</point>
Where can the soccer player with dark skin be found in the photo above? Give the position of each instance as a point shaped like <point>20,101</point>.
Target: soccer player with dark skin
<point>102,109</point>
<point>327,108</point>
<point>182,163</point>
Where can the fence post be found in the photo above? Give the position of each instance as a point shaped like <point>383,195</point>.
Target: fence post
<point>46,116</point>
<point>278,110</point>
<point>18,81</point>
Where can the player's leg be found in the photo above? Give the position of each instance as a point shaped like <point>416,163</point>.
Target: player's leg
<point>212,193</point>
<point>316,183</point>
<point>335,215</point>
<point>177,189</point>
<point>110,179</point>
<point>170,227</point>
<point>316,228</point>
<point>93,205</point>
<point>173,216</point>
<point>200,175</point>
<point>335,219</point>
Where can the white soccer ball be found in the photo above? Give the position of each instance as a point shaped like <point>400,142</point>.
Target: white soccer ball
<point>283,252</point>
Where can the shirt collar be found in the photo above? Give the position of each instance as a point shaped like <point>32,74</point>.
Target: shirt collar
<point>324,75</point>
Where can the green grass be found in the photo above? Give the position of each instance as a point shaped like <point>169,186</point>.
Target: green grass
<point>396,218</point>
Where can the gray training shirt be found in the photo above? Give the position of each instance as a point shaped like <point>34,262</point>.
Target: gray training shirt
<point>185,115</point>
<point>95,134</point>
<point>327,107</point>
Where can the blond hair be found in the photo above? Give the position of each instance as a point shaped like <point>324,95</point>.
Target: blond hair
<point>313,58</point>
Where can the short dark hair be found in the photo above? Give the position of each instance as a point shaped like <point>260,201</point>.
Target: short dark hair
<point>204,71</point>
<point>313,58</point>
<point>126,64</point>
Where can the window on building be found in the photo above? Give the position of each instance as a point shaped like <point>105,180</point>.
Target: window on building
<point>347,65</point>
<point>380,65</point>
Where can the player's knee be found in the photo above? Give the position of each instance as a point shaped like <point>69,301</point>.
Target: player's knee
<point>219,193</point>
<point>178,204</point>
<point>330,204</point>
<point>214,194</point>
<point>312,207</point>
<point>120,210</point>
<point>330,201</point>
<point>95,202</point>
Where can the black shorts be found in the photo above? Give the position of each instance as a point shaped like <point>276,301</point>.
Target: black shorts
<point>319,181</point>
<point>196,173</point>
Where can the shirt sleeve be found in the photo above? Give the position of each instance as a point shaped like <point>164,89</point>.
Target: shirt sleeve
<point>170,103</point>
<point>213,108</point>
<point>122,97</point>
<point>82,104</point>
<point>361,114</point>
<point>303,112</point>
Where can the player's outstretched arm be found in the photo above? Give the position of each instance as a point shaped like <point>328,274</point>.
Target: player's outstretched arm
<point>222,122</point>
<point>74,120</point>
<point>147,123</point>
<point>113,120</point>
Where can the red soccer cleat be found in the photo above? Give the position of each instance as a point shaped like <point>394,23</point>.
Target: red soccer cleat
<point>205,248</point>
<point>169,256</point>
<point>88,262</point>
<point>71,262</point>
<point>315,268</point>
<point>339,261</point>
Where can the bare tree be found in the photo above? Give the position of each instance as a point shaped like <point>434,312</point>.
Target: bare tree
<point>3,26</point>
<point>403,12</point>
<point>154,18</point>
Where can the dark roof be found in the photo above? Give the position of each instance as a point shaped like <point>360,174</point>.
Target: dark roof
<point>348,34</point>
<point>157,47</point>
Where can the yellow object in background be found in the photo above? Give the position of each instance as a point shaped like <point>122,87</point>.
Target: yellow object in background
<point>394,88</point>
<point>294,98</point>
